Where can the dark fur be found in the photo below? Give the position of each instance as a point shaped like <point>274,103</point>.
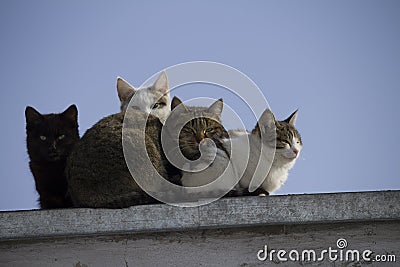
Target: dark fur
<point>97,173</point>
<point>206,123</point>
<point>48,157</point>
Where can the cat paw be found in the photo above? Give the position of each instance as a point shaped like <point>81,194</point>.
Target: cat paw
<point>260,192</point>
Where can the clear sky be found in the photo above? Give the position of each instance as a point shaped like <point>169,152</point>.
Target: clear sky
<point>337,61</point>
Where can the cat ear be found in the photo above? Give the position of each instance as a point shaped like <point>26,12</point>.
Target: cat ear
<point>32,116</point>
<point>124,89</point>
<point>176,102</point>
<point>216,108</point>
<point>292,118</point>
<point>161,84</point>
<point>71,113</point>
<point>267,121</point>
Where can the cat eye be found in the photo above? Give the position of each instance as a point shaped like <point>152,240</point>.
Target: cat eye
<point>210,130</point>
<point>158,105</point>
<point>43,138</point>
<point>61,137</point>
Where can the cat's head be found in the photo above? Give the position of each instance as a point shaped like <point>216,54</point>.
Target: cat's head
<point>281,133</point>
<point>154,100</point>
<point>51,137</point>
<point>199,123</point>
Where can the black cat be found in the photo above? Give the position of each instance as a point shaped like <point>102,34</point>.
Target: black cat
<point>50,139</point>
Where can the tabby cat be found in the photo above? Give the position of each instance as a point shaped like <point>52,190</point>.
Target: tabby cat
<point>270,133</point>
<point>97,172</point>
<point>252,155</point>
<point>200,141</point>
<point>201,123</point>
<point>50,139</point>
<point>98,176</point>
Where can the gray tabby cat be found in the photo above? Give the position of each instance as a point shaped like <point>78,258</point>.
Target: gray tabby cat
<point>201,137</point>
<point>154,100</point>
<point>201,123</point>
<point>269,134</point>
<point>288,145</point>
<point>96,170</point>
<point>97,174</point>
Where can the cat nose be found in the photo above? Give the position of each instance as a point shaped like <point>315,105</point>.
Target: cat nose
<point>54,144</point>
<point>199,136</point>
<point>295,151</point>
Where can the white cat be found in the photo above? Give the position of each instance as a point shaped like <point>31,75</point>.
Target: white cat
<point>154,100</point>
<point>269,133</point>
<point>252,158</point>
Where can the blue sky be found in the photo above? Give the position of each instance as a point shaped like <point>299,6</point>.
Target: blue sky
<point>337,61</point>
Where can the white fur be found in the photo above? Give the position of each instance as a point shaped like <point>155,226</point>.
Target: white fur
<point>283,161</point>
<point>243,167</point>
<point>214,177</point>
<point>145,98</point>
<point>253,162</point>
<point>237,132</point>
